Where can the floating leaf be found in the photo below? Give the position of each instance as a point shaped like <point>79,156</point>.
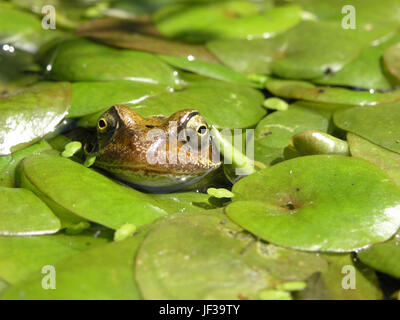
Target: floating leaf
<point>137,35</point>
<point>316,142</point>
<point>274,132</point>
<point>23,214</point>
<point>82,60</point>
<point>306,91</point>
<point>387,160</point>
<point>332,283</point>
<point>208,69</point>
<point>172,264</point>
<point>378,124</point>
<point>364,72</point>
<point>22,256</point>
<point>9,163</point>
<point>233,19</point>
<point>91,97</point>
<point>391,60</point>
<point>222,104</point>
<point>384,257</point>
<point>104,272</point>
<point>295,54</point>
<point>89,195</point>
<point>30,114</point>
<point>294,203</point>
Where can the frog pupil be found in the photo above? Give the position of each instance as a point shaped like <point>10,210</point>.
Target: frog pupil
<point>202,130</point>
<point>102,124</point>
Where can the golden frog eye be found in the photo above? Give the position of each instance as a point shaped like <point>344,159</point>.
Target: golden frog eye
<point>102,124</point>
<point>201,130</point>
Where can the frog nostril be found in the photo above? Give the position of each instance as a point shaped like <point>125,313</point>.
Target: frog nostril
<point>149,126</point>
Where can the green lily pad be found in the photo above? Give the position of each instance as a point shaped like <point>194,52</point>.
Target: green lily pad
<point>172,264</point>
<point>91,97</point>
<point>232,19</point>
<point>30,114</point>
<point>104,272</point>
<point>9,163</point>
<point>88,194</point>
<point>384,257</point>
<point>82,60</point>
<point>378,124</point>
<point>223,105</point>
<point>208,69</point>
<point>306,91</point>
<point>391,60</point>
<point>274,132</point>
<point>387,160</point>
<point>368,12</point>
<point>119,33</point>
<point>21,256</point>
<point>294,203</point>
<point>23,214</point>
<point>13,64</point>
<point>295,54</point>
<point>183,202</point>
<point>328,284</point>
<point>364,72</point>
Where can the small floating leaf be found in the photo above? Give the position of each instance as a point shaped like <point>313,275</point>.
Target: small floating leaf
<point>125,231</point>
<point>71,148</point>
<point>220,193</point>
<point>274,295</point>
<point>316,142</point>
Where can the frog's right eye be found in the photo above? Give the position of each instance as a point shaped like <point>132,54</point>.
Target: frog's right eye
<point>102,124</point>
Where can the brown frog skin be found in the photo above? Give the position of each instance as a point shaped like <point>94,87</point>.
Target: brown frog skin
<point>157,154</point>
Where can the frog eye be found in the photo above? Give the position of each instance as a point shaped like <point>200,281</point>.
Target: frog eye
<point>102,124</point>
<point>201,130</point>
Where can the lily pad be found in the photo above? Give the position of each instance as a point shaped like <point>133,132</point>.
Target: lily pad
<point>22,256</point>
<point>384,257</point>
<point>128,34</point>
<point>91,97</point>
<point>82,60</point>
<point>104,272</point>
<point>297,200</point>
<point>306,91</point>
<point>208,69</point>
<point>387,160</point>
<point>223,105</point>
<point>391,60</point>
<point>364,72</point>
<point>23,214</point>
<point>384,119</point>
<point>328,284</point>
<point>30,114</point>
<point>9,163</point>
<point>274,132</point>
<point>172,264</point>
<point>232,19</point>
<point>295,54</point>
<point>89,194</point>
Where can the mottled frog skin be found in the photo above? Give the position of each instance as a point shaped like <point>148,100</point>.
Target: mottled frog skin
<point>156,154</point>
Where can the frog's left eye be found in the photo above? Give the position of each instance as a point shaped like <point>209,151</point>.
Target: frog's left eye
<point>102,124</point>
<point>201,130</point>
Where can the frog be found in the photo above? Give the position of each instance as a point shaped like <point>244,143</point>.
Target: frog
<point>155,154</point>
